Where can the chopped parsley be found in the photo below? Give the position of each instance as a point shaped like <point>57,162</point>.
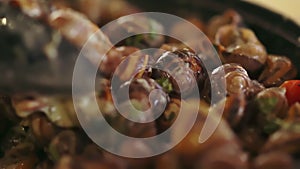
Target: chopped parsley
<point>165,84</point>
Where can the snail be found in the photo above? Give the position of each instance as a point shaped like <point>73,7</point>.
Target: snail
<point>236,81</point>
<point>144,94</point>
<point>127,26</point>
<point>134,129</point>
<point>240,45</point>
<point>277,70</point>
<point>64,143</point>
<point>194,63</point>
<point>42,129</point>
<point>133,65</point>
<point>59,110</point>
<point>169,115</point>
<point>105,100</point>
<point>235,109</point>
<point>99,11</point>
<point>262,117</point>
<point>116,55</point>
<point>147,92</point>
<point>76,28</point>
<point>229,17</point>
<point>272,105</point>
<point>111,100</point>
<point>286,138</point>
<point>181,68</point>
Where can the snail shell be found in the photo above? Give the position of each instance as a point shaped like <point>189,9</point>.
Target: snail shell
<point>184,69</point>
<point>240,45</point>
<point>277,70</point>
<point>229,17</point>
<point>235,76</point>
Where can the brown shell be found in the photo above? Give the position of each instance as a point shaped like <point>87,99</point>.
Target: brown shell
<point>131,128</point>
<point>140,89</point>
<point>42,129</point>
<point>58,109</point>
<point>185,66</point>
<point>235,78</point>
<point>133,65</point>
<point>102,11</point>
<point>235,109</point>
<point>229,17</point>
<point>271,107</point>
<point>240,45</point>
<point>78,30</point>
<point>64,143</point>
<point>279,108</point>
<point>169,115</point>
<point>114,57</point>
<point>277,70</point>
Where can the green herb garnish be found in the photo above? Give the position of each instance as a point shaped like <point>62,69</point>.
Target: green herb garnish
<point>267,105</point>
<point>165,84</point>
<point>136,40</point>
<point>271,127</point>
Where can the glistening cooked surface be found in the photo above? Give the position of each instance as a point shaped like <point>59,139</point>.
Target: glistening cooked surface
<point>260,125</point>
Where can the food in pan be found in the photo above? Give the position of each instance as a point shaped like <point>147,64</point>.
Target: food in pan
<point>261,119</point>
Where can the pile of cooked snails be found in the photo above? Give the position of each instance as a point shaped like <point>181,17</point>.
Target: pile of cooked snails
<point>260,125</point>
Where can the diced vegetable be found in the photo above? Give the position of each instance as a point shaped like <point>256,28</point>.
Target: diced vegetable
<point>292,91</point>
